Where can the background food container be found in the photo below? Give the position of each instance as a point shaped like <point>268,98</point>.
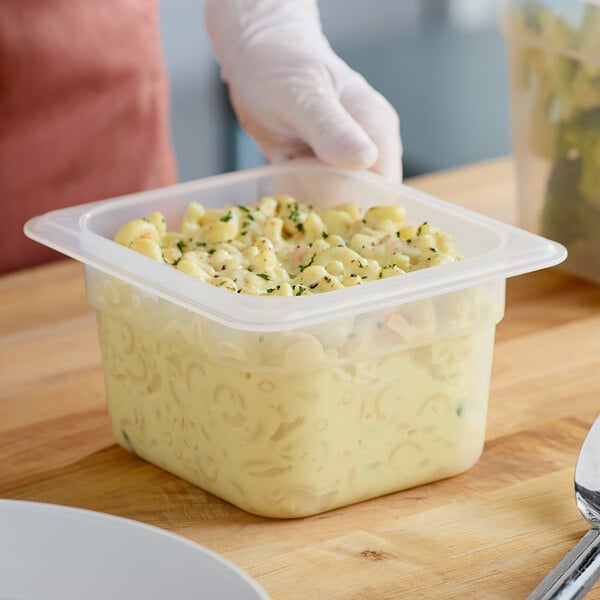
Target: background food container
<point>290,406</point>
<point>554,51</point>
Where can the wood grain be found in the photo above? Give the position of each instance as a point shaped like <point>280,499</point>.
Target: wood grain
<point>492,532</point>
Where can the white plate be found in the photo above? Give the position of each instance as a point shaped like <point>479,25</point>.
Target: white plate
<point>50,552</point>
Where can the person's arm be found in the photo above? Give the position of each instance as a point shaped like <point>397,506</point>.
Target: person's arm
<point>293,94</point>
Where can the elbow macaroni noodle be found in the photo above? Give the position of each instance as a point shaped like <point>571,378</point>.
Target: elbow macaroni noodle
<point>297,422</point>
<point>280,247</point>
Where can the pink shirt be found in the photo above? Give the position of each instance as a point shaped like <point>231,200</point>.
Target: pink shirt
<point>83,110</point>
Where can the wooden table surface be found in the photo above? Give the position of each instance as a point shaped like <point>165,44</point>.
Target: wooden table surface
<point>492,532</point>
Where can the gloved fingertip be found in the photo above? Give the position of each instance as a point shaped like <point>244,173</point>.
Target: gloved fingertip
<point>367,157</point>
<point>389,170</point>
<point>350,153</point>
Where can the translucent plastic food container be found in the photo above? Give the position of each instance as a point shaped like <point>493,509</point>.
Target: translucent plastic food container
<point>290,406</point>
<point>554,51</point>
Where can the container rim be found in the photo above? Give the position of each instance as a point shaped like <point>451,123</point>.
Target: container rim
<point>540,41</point>
<point>516,252</point>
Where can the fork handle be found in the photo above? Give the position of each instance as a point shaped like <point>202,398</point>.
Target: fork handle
<point>575,574</point>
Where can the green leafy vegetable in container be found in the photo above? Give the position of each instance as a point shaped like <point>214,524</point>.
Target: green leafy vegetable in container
<point>556,65</point>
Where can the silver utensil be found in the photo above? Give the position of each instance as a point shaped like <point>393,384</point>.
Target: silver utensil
<point>577,572</point>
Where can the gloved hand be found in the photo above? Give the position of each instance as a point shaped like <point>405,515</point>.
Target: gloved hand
<point>293,94</point>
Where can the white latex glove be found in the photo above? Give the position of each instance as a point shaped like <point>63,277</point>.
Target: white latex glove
<point>293,94</point>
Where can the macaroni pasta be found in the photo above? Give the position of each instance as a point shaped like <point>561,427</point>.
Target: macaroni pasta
<point>298,421</point>
<point>280,247</point>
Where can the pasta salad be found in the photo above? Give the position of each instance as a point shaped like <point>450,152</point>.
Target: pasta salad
<point>278,246</point>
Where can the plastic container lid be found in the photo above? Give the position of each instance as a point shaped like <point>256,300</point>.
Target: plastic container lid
<point>491,249</point>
